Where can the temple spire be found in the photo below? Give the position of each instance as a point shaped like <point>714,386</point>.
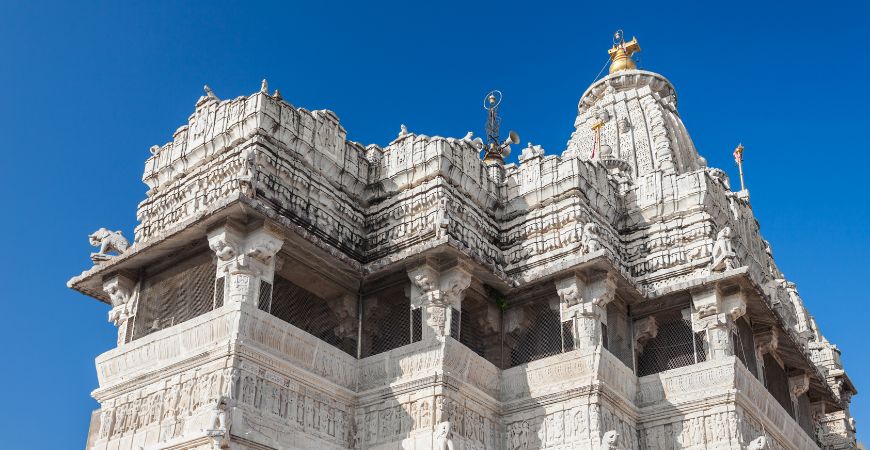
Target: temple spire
<point>620,53</point>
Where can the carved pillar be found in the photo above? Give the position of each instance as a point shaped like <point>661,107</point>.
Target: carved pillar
<point>582,301</point>
<point>798,385</point>
<point>436,292</point>
<point>766,343</point>
<point>245,258</point>
<point>644,330</point>
<point>124,295</point>
<point>715,313</point>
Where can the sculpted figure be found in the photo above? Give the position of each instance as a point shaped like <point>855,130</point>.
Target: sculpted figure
<point>443,437</point>
<point>724,257</point>
<point>220,425</point>
<point>610,440</point>
<point>107,241</point>
<point>106,422</point>
<point>222,249</point>
<point>759,443</point>
<point>590,241</point>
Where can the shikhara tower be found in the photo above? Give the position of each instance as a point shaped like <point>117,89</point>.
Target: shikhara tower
<point>290,289</point>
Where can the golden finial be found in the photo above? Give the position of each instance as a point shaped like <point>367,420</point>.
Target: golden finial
<point>620,53</point>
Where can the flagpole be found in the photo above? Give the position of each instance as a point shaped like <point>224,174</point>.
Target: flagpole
<point>738,157</point>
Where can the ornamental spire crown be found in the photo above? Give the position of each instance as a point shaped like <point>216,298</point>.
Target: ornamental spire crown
<point>620,53</point>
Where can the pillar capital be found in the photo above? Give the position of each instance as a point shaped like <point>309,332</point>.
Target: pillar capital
<point>766,342</point>
<point>799,385</point>
<point>714,312</point>
<point>644,330</point>
<point>582,300</point>
<point>436,291</point>
<point>596,290</point>
<point>121,288</point>
<point>245,256</point>
<point>717,306</point>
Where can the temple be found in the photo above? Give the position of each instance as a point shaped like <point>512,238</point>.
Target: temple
<point>289,289</point>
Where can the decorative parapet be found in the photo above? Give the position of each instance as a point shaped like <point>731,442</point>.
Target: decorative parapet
<point>565,373</point>
<point>175,347</point>
<point>712,386</point>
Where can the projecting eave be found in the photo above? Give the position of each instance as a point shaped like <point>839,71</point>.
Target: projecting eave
<point>758,307</point>
<point>189,237</point>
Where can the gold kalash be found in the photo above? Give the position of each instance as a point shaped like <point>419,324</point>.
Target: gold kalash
<point>620,53</point>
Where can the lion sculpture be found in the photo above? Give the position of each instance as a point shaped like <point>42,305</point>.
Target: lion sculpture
<point>107,241</point>
<point>759,443</point>
<point>610,440</point>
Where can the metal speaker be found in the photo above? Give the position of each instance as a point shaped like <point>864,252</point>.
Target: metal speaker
<point>513,137</point>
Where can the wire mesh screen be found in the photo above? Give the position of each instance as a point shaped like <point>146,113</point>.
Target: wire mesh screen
<point>308,312</point>
<point>744,345</point>
<point>455,323</point>
<point>675,345</point>
<point>777,383</point>
<point>618,333</point>
<point>568,335</point>
<point>417,325</point>
<point>805,414</point>
<point>175,295</point>
<point>387,323</point>
<point>264,300</point>
<point>128,331</point>
<point>543,338</point>
<point>469,334</point>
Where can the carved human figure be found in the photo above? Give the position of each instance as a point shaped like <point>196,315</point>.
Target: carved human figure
<point>107,241</point>
<point>580,425</point>
<point>154,407</point>
<point>248,390</point>
<point>120,419</point>
<point>610,440</point>
<point>443,437</point>
<point>590,241</point>
<point>106,422</point>
<point>372,429</point>
<point>424,414</point>
<point>330,422</point>
<point>222,249</point>
<point>724,257</point>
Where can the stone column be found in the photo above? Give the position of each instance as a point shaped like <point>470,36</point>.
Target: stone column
<point>123,293</point>
<point>582,300</point>
<point>766,342</point>
<point>437,292</point>
<point>644,330</point>
<point>715,312</point>
<point>245,258</point>
<point>798,385</point>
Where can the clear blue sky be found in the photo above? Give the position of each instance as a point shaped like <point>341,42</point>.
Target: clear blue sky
<point>88,88</point>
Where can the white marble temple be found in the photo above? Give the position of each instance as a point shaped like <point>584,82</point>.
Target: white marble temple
<point>429,278</point>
